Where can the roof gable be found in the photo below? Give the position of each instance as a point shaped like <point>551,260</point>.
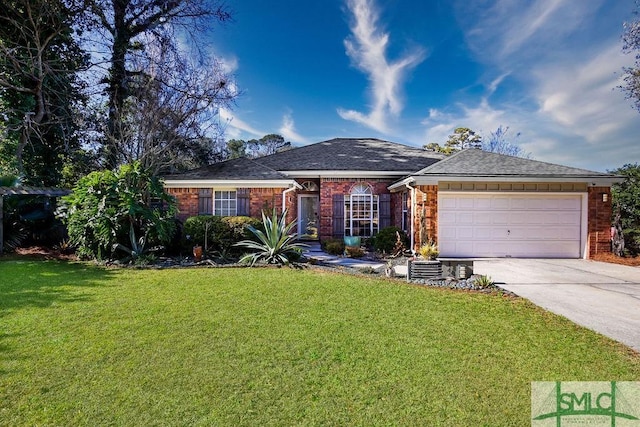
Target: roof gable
<point>474,162</point>
<point>352,154</point>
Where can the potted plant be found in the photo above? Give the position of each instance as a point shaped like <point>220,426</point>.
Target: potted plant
<point>197,253</point>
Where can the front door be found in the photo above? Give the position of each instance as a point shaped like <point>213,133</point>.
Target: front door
<point>308,221</point>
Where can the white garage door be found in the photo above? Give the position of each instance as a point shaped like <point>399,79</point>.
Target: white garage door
<point>509,225</point>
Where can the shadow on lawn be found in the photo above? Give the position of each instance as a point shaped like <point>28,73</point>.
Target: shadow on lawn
<point>27,283</point>
<point>35,283</point>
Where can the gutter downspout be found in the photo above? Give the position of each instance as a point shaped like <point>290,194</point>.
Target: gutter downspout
<point>413,203</point>
<point>284,195</point>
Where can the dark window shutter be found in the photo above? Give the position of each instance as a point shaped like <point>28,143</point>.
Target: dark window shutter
<point>338,216</point>
<point>385,210</point>
<point>242,197</point>
<point>205,201</point>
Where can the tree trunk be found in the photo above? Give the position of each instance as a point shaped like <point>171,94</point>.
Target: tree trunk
<point>118,84</point>
<point>617,237</point>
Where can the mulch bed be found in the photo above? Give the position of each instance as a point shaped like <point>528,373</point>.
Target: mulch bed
<point>613,259</point>
<point>41,252</point>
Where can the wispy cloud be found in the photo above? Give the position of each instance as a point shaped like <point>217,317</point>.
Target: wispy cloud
<point>506,31</point>
<point>236,128</point>
<point>482,118</point>
<point>367,49</point>
<point>288,130</point>
<point>561,83</point>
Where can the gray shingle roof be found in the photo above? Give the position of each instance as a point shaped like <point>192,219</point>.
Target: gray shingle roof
<point>352,154</point>
<point>235,169</point>
<point>473,162</point>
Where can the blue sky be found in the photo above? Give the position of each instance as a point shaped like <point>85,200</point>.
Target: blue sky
<point>413,71</point>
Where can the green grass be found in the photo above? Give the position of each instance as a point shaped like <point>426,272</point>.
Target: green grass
<point>82,345</point>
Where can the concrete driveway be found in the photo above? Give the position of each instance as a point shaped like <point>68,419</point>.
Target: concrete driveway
<point>600,296</point>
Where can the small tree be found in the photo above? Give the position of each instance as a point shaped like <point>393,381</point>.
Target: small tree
<point>107,208</point>
<point>626,206</point>
<point>499,143</point>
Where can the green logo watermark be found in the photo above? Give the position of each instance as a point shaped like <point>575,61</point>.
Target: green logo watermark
<point>585,403</point>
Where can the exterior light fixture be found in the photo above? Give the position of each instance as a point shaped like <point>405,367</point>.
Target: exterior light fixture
<point>605,197</point>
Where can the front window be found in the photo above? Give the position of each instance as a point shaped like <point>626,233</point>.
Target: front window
<point>361,212</point>
<point>225,203</point>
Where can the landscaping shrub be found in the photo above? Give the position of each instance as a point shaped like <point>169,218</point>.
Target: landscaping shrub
<point>386,238</point>
<point>354,251</point>
<point>333,246</point>
<point>216,234</point>
<point>110,209</point>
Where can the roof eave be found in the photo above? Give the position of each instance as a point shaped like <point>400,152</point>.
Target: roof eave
<point>230,183</point>
<point>592,180</point>
<point>344,173</point>
<point>401,185</point>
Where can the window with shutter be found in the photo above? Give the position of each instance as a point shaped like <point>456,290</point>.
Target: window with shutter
<point>224,203</point>
<point>361,212</point>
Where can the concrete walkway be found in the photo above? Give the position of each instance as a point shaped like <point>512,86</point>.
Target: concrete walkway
<point>315,252</point>
<point>600,296</point>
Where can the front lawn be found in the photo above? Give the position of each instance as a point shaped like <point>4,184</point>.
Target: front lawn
<point>82,345</point>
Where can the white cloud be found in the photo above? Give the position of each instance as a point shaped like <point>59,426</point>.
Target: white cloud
<point>367,49</point>
<point>235,127</point>
<point>582,95</point>
<point>562,82</point>
<point>288,130</point>
<point>482,118</point>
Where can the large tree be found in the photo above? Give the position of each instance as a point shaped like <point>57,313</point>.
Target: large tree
<point>460,139</point>
<point>268,144</point>
<point>170,122</point>
<point>39,89</point>
<point>631,45</point>
<point>139,29</point>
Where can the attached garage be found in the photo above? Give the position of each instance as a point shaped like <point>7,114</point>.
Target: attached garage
<point>511,225</point>
<point>480,204</point>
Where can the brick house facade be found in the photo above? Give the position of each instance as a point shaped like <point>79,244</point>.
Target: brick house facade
<point>402,186</point>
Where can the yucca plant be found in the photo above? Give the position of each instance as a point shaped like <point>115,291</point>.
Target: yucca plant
<point>484,282</point>
<point>276,244</point>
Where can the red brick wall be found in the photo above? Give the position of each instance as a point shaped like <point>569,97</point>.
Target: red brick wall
<point>331,186</point>
<point>264,199</point>
<point>426,218</point>
<point>259,199</point>
<point>187,199</point>
<point>599,221</point>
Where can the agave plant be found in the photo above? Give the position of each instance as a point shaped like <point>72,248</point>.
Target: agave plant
<point>137,248</point>
<point>276,244</point>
